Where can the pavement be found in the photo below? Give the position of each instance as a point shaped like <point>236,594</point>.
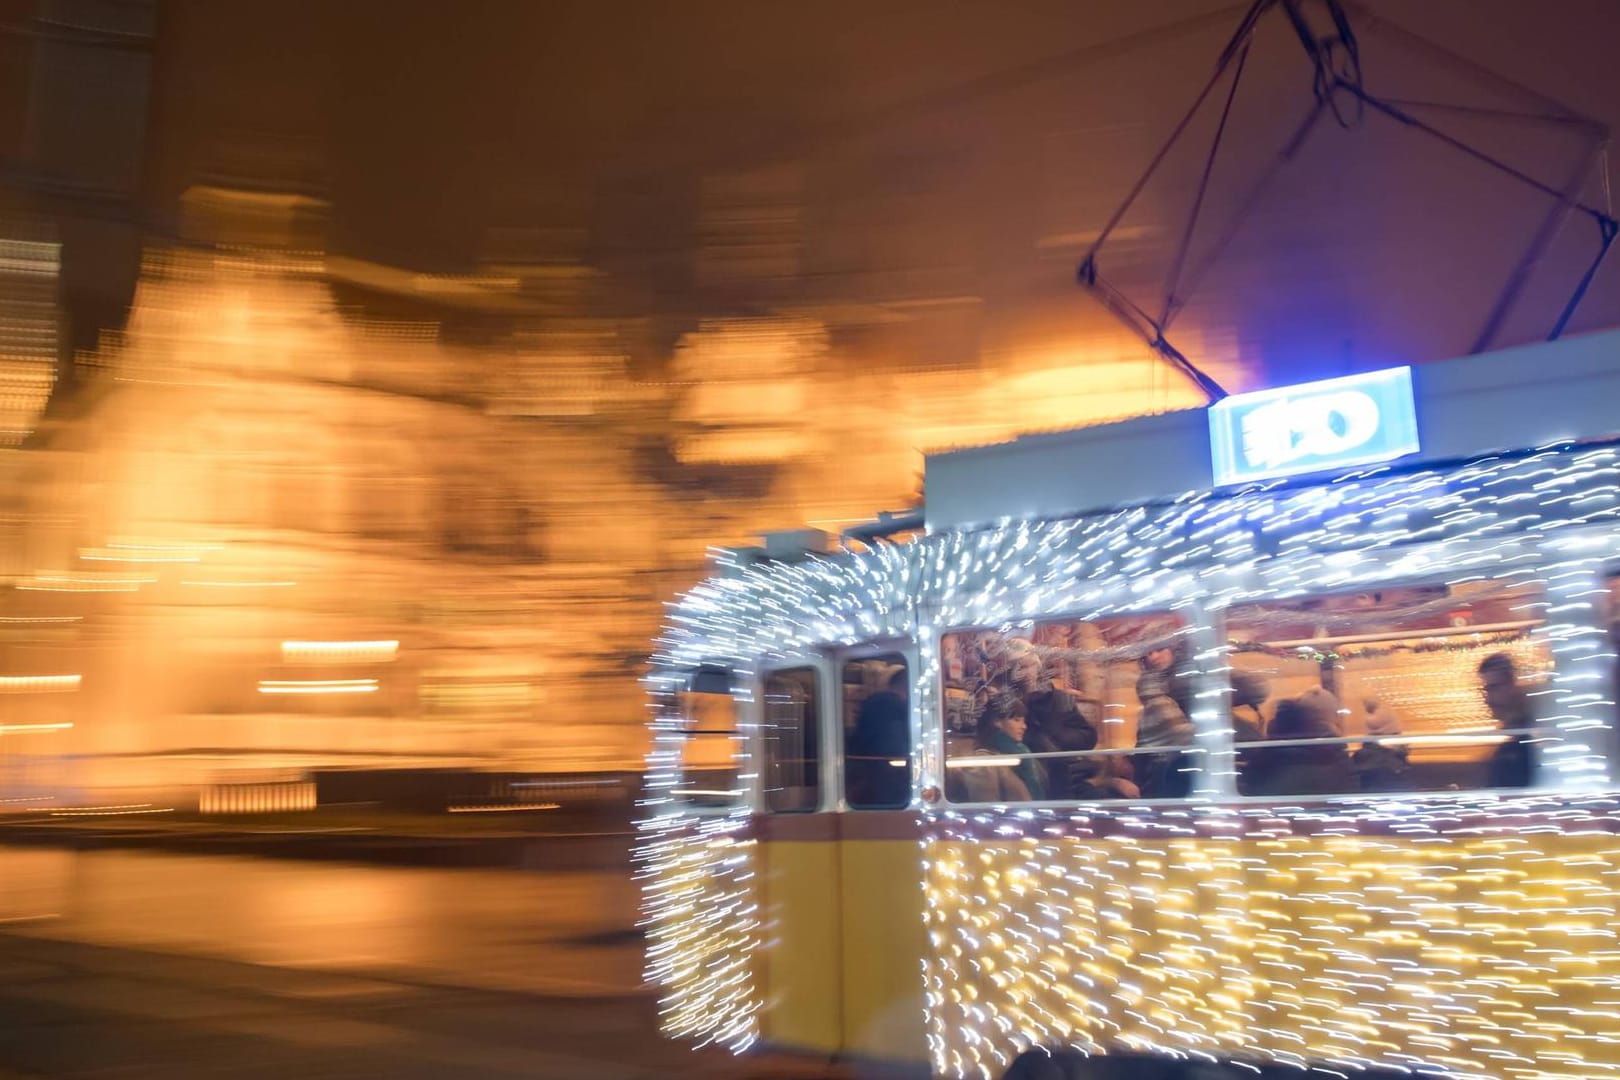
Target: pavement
<point>470,840</point>
<point>132,950</point>
<point>74,1011</point>
<point>123,963</point>
<point>543,932</point>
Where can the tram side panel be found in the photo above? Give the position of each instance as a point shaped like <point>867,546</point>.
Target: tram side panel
<point>1483,941</point>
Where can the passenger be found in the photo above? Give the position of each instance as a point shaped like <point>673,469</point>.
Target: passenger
<point>1325,708</point>
<point>881,737</point>
<point>1249,691</point>
<point>1001,731</point>
<point>1323,769</point>
<point>1381,766</point>
<point>1162,724</point>
<point>1512,764</point>
<point>1056,723</point>
<point>1163,663</point>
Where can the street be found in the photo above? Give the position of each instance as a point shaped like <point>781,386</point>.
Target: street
<point>138,964</point>
<point>564,932</point>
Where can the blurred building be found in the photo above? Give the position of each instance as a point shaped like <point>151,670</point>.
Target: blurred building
<point>288,501</point>
<point>273,529</point>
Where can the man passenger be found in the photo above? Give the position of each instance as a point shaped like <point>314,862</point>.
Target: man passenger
<point>1056,723</point>
<point>1509,703</point>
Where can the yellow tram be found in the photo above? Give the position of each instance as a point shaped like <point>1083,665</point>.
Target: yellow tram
<point>1281,731</point>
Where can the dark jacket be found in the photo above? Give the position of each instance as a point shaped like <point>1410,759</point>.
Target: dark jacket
<point>1300,770</point>
<point>1056,723</point>
<point>882,734</point>
<point>1381,768</point>
<point>1511,765</point>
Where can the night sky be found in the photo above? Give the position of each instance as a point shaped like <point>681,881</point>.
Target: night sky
<point>987,137</point>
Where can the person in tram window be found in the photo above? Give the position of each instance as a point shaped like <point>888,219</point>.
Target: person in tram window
<point>1001,730</point>
<point>1162,724</point>
<point>1055,723</point>
<point>1380,766</point>
<point>1324,706</point>
<point>1249,691</point>
<point>1509,704</point>
<point>1322,769</point>
<point>882,737</point>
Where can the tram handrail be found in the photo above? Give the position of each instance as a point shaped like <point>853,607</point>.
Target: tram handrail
<point>1462,738</point>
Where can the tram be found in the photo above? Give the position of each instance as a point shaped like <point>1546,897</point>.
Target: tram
<point>1279,732</point>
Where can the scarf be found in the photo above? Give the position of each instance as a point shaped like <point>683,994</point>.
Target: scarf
<point>1029,770</point>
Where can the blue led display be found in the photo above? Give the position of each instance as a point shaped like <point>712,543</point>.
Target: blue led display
<point>1313,427</point>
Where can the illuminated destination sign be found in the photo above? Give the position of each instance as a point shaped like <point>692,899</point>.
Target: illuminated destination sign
<point>1331,424</point>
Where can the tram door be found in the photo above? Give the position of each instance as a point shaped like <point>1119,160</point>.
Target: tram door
<point>840,897</point>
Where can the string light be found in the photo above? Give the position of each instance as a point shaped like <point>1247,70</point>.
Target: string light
<point>39,684</point>
<point>318,686</point>
<point>339,652</point>
<point>1463,932</point>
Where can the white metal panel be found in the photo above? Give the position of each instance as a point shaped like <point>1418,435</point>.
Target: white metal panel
<point>1521,397</point>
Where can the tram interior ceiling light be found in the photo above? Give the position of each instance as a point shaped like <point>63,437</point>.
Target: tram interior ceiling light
<point>1448,933</point>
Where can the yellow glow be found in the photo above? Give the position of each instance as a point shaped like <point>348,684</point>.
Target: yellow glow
<point>317,686</point>
<point>115,811</point>
<point>249,798</point>
<point>1370,947</point>
<point>19,729</point>
<point>68,581</point>
<point>339,652</point>
<point>109,554</point>
<point>39,684</point>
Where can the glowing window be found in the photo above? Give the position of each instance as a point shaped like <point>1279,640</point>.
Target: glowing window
<point>1069,710</point>
<point>877,733</point>
<point>791,731</point>
<point>709,754</point>
<point>1425,688</point>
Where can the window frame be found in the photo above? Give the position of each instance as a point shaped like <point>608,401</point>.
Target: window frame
<point>1206,737</point>
<point>906,649</point>
<point>1215,779</point>
<point>739,734</point>
<point>817,665</point>
<point>1542,779</point>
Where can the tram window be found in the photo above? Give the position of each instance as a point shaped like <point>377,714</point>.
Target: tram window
<point>1105,703</point>
<point>709,753</point>
<point>792,740</point>
<point>1426,688</point>
<point>877,732</point>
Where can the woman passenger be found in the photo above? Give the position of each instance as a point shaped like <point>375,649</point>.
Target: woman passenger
<point>1163,724</point>
<point>1001,732</point>
<point>1323,769</point>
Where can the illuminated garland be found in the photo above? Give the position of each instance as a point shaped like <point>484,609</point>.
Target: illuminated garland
<point>1371,652</point>
<point>1221,984</point>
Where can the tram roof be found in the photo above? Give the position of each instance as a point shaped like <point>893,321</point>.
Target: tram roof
<point>1531,395</point>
